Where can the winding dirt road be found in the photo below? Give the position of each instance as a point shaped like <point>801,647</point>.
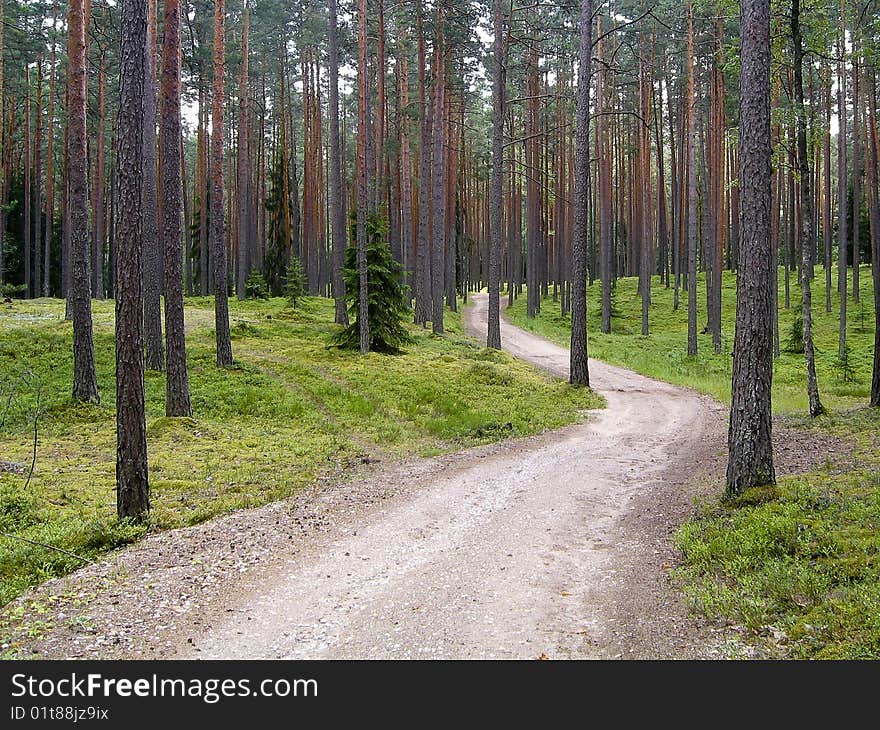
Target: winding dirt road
<point>520,554</point>
<point>551,546</point>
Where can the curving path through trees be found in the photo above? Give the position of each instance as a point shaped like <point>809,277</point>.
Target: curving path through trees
<point>553,547</point>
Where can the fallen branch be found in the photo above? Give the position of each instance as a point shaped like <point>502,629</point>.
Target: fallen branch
<point>48,547</point>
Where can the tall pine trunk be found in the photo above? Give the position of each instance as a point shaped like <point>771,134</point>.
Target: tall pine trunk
<point>750,461</point>
<point>842,241</point>
<point>50,164</point>
<point>243,196</point>
<point>579,370</point>
<point>218,224</point>
<point>493,337</point>
<point>805,217</point>
<point>85,381</point>
<point>438,182</point>
<point>177,400</point>
<point>691,192</point>
<point>337,219</point>
<point>874,185</point>
<point>132,483</point>
<point>150,226</point>
<point>362,174</point>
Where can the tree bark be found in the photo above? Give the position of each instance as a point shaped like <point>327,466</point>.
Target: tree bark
<point>856,174</point>
<point>579,371</point>
<point>423,254</point>
<point>691,192</point>
<point>805,217</point>
<point>218,224</point>
<point>150,230</point>
<point>493,337</point>
<point>438,182</point>
<point>362,173</point>
<point>177,399</point>
<point>98,228</point>
<point>750,461</point>
<point>132,483</point>
<point>4,146</point>
<point>842,241</point>
<point>243,197</point>
<point>337,220</point>
<point>875,238</point>
<point>50,163</point>
<point>826,217</point>
<point>85,381</point>
<point>26,225</point>
<point>38,182</point>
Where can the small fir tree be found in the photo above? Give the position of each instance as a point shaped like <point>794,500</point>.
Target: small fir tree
<point>388,306</point>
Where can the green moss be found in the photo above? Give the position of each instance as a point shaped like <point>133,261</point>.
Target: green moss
<point>293,409</point>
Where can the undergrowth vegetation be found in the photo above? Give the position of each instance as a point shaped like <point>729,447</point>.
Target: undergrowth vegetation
<point>797,565</point>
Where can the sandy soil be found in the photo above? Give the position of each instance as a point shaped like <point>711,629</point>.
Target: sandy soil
<point>555,546</point>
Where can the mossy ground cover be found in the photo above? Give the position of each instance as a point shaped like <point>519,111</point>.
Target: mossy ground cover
<point>292,410</point>
<point>797,565</point>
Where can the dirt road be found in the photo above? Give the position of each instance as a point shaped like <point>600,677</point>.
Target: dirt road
<point>525,553</point>
<point>552,546</point>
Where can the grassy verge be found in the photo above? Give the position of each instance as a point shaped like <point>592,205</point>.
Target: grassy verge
<point>293,410</point>
<point>797,566</point>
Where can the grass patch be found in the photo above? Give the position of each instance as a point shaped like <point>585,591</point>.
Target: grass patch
<point>797,565</point>
<point>292,410</point>
<point>662,354</point>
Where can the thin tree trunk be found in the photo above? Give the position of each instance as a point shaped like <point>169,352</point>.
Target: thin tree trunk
<point>177,400</point>
<point>691,192</point>
<point>806,214</point>
<point>150,227</point>
<point>38,182</point>
<point>423,254</point>
<point>362,190</point>
<point>579,371</point>
<point>874,185</point>
<point>493,337</point>
<point>6,149</point>
<point>218,224</point>
<point>406,198</point>
<point>438,182</point>
<point>50,163</point>
<point>99,232</point>
<point>26,225</point>
<point>856,176</point>
<point>337,221</point>
<point>842,241</point>
<point>827,225</point>
<point>244,212</point>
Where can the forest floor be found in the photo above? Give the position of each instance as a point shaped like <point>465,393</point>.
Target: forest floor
<point>555,545</point>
